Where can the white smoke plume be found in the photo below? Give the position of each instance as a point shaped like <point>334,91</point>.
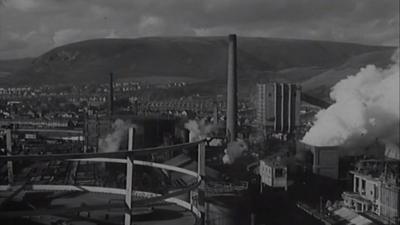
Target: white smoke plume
<point>112,141</point>
<point>233,151</point>
<point>366,108</point>
<point>199,130</point>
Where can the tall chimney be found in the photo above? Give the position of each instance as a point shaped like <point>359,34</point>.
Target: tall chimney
<point>10,170</point>
<point>215,113</point>
<point>231,111</point>
<point>111,96</point>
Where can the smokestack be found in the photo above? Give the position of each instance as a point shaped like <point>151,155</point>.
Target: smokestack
<point>10,169</point>
<point>231,111</point>
<point>111,96</point>
<point>215,113</point>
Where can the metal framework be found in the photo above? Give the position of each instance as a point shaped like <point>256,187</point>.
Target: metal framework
<point>125,157</point>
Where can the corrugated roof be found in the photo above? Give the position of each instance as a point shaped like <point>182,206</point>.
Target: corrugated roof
<point>352,217</point>
<point>360,220</point>
<point>346,213</point>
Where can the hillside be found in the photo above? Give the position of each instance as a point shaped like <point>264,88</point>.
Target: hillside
<point>10,67</point>
<point>198,59</point>
<point>320,84</point>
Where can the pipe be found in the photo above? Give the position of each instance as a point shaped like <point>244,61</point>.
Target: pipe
<point>231,112</point>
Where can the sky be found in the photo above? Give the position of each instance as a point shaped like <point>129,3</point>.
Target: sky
<point>29,28</point>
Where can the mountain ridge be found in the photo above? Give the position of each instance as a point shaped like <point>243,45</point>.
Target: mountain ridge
<point>198,58</point>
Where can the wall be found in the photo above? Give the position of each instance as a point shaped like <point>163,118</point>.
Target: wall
<point>278,106</point>
<point>390,202</point>
<point>371,190</point>
<point>269,175</point>
<point>326,161</point>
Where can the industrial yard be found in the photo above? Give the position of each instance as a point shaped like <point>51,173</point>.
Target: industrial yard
<point>121,168</point>
<point>223,113</point>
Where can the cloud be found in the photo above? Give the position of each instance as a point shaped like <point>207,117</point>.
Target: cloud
<point>10,40</point>
<point>69,35</point>
<point>65,36</point>
<point>10,44</point>
<point>112,34</point>
<point>151,25</point>
<point>366,107</point>
<point>22,5</point>
<point>366,21</point>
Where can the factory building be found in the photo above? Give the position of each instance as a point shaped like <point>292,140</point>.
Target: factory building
<point>37,123</point>
<point>376,190</point>
<point>150,132</point>
<point>278,106</point>
<point>274,173</point>
<point>94,130</point>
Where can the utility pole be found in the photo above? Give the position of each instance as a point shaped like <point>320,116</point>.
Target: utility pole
<point>129,177</point>
<point>111,96</point>
<point>201,171</point>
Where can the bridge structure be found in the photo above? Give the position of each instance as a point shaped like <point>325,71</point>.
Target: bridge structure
<point>132,198</point>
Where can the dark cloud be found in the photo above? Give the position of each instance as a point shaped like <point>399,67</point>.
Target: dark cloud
<point>55,22</point>
<point>12,44</point>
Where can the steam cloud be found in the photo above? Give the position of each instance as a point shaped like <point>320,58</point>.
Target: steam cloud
<point>112,141</point>
<point>203,129</point>
<point>199,130</point>
<point>233,151</point>
<point>366,108</point>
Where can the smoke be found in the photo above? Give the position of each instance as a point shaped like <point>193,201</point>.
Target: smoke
<point>112,141</point>
<point>233,151</point>
<point>366,108</point>
<point>199,130</point>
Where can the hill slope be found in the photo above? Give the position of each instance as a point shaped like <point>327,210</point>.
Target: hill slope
<point>320,84</point>
<point>197,58</point>
<point>11,66</point>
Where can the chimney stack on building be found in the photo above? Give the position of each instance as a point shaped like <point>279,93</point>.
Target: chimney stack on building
<point>111,96</point>
<point>231,111</point>
<point>215,113</point>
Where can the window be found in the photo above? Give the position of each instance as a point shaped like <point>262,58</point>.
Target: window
<point>358,207</point>
<point>356,184</point>
<point>279,172</point>
<point>363,187</point>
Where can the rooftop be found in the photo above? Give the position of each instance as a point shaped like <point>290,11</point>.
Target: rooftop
<point>276,160</point>
<point>384,170</point>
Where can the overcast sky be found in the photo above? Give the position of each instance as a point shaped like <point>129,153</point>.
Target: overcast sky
<point>32,27</point>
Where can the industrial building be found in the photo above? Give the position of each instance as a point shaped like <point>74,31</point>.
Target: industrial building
<point>82,176</point>
<point>326,161</point>
<point>278,106</point>
<point>175,177</point>
<point>274,173</point>
<point>376,190</point>
<point>150,131</point>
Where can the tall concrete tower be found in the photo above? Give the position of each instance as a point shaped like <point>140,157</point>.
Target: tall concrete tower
<point>278,106</point>
<point>231,111</point>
